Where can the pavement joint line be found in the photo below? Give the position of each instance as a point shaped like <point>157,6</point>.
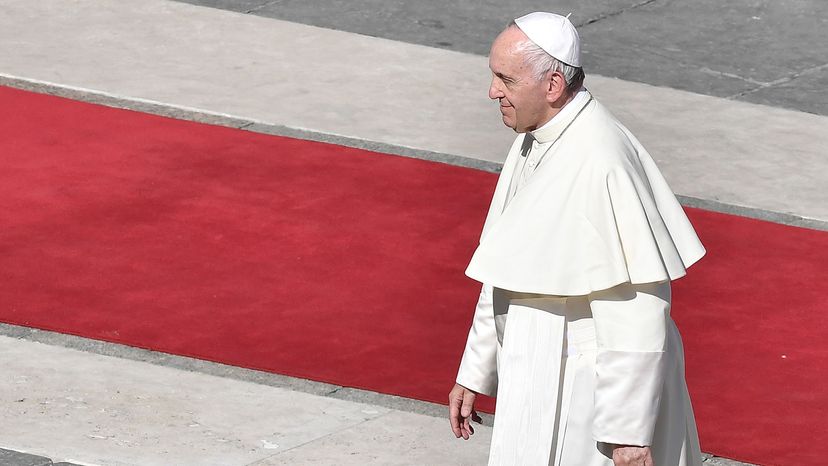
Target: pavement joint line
<point>391,402</point>
<point>603,16</point>
<point>329,434</point>
<point>263,5</point>
<point>725,74</point>
<point>785,79</point>
<point>256,126</point>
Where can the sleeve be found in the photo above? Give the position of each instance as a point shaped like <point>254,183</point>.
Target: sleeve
<point>631,332</point>
<point>478,368</point>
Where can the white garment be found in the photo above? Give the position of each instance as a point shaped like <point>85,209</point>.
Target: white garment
<point>595,213</point>
<point>581,247</point>
<point>577,374</point>
<point>534,145</point>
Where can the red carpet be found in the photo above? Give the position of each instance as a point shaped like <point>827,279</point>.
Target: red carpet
<point>346,266</point>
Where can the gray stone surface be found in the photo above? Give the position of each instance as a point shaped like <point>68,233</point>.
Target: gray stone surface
<point>464,25</point>
<point>241,6</point>
<point>705,46</point>
<point>719,461</point>
<point>113,412</point>
<point>14,458</point>
<point>685,45</point>
<point>428,441</point>
<point>806,91</point>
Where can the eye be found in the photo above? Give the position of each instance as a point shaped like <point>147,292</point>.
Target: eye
<point>506,79</point>
<point>501,77</point>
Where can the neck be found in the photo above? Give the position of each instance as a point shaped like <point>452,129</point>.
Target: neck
<point>556,107</point>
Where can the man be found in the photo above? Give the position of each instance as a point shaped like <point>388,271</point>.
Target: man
<point>572,331</point>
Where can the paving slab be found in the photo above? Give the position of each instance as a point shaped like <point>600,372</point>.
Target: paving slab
<point>806,90</point>
<point>395,439</point>
<point>464,25</point>
<point>711,47</point>
<point>15,458</point>
<point>241,6</point>
<point>67,404</point>
<point>703,46</point>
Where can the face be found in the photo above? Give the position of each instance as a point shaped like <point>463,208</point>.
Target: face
<point>523,99</point>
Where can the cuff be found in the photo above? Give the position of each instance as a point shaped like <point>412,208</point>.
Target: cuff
<point>627,396</point>
<point>473,376</point>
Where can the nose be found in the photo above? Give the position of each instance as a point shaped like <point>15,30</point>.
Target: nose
<point>494,90</point>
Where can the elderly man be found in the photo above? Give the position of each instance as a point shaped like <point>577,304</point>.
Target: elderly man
<point>572,331</point>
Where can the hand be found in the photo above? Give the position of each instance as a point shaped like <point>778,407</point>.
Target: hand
<point>461,411</point>
<point>626,455</point>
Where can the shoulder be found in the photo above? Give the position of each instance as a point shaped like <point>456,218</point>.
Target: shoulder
<point>602,142</point>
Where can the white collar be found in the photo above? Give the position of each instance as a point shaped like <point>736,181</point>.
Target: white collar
<point>568,111</point>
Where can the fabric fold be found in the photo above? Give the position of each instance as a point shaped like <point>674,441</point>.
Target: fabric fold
<point>627,404</point>
<point>529,389</point>
<point>596,213</point>
<point>478,368</point>
<point>631,324</point>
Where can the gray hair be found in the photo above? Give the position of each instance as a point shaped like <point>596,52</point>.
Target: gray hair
<point>541,63</point>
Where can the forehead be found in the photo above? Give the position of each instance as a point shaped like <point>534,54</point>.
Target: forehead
<point>503,57</point>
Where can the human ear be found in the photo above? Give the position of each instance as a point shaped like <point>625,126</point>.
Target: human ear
<point>556,86</point>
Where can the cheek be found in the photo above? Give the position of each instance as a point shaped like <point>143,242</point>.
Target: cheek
<point>517,106</point>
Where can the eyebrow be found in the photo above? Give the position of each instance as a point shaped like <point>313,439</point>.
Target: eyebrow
<point>505,77</point>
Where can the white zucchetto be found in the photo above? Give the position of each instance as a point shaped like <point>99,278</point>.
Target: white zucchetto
<point>553,33</point>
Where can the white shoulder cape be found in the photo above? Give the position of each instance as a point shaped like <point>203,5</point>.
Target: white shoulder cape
<point>595,213</point>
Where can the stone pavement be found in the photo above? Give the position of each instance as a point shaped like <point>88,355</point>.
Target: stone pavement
<point>71,399</point>
<point>767,52</point>
<point>85,402</point>
<point>139,407</point>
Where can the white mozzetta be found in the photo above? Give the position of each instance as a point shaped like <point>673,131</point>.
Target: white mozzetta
<point>596,213</point>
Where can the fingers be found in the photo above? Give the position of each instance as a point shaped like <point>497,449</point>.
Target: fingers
<point>461,412</point>
<point>468,404</point>
<point>632,456</point>
<point>476,417</point>
<point>454,416</point>
<point>468,430</point>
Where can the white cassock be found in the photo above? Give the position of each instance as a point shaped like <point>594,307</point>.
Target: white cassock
<point>572,331</point>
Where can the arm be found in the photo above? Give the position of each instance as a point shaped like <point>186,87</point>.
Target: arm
<point>478,368</point>
<point>631,330</point>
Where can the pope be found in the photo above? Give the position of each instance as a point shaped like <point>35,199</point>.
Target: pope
<point>572,331</point>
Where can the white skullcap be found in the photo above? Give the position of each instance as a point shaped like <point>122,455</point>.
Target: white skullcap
<point>553,33</point>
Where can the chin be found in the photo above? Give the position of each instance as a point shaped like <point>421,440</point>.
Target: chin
<point>508,122</point>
